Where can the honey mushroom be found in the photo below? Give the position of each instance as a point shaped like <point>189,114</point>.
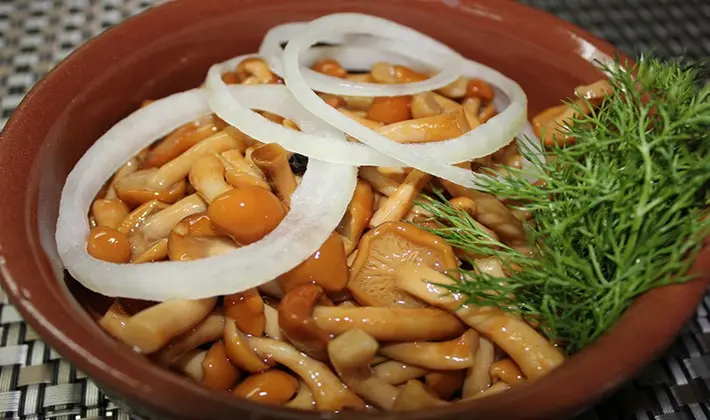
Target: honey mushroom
<point>109,212</point>
<point>109,245</point>
<point>160,224</point>
<point>456,89</point>
<point>357,216</point>
<point>303,399</point>
<point>180,140</point>
<point>390,109</point>
<point>207,177</point>
<point>507,371</point>
<point>532,352</point>
<point>158,251</point>
<point>358,103</point>
<point>240,351</point>
<point>210,329</point>
<point>396,373</point>
<point>247,310</point>
<point>241,172</point>
<point>129,167</point>
<point>329,393</point>
<point>388,73</point>
<point>114,320</point>
<point>378,180</point>
<point>273,387</point>
<point>135,218</point>
<point>425,105</point>
<point>326,267</point>
<point>416,396</point>
<point>477,377</point>
<point>255,71</point>
<point>382,250</point>
<point>272,159</point>
<point>218,372</point>
<point>272,329</point>
<point>390,324</point>
<point>350,354</point>
<point>445,383</point>
<point>496,388</point>
<point>446,355</point>
<point>246,214</point>
<point>445,126</point>
<point>297,323</point>
<point>194,238</point>
<point>362,119</point>
<point>330,67</point>
<point>151,329</point>
<point>401,201</point>
<point>190,364</point>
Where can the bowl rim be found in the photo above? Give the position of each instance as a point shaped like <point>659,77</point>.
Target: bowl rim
<point>69,345</point>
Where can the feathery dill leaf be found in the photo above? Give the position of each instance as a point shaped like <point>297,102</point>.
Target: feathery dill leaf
<point>621,211</point>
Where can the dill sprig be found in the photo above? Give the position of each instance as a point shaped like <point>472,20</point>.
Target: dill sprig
<point>621,211</point>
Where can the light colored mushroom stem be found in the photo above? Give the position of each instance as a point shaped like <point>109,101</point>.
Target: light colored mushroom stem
<point>478,378</point>
<point>357,216</point>
<point>395,373</point>
<point>179,168</point>
<point>127,169</point>
<point>381,183</point>
<point>139,214</point>
<point>399,203</point>
<point>114,320</point>
<point>209,329</point>
<point>151,329</point>
<point>507,371</point>
<point>350,354</point>
<point>496,388</point>
<point>272,159</point>
<point>415,396</point>
<point>445,126</point>
<point>240,351</point>
<point>207,177</point>
<point>303,399</point>
<point>157,252</point>
<point>390,324</point>
<point>447,355</point>
<point>328,391</point>
<point>530,350</point>
<point>159,225</point>
<point>191,364</point>
<point>271,326</point>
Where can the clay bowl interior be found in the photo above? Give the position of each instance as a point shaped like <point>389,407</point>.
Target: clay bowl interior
<point>169,49</point>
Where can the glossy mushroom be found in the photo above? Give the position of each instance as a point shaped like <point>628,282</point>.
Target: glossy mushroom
<point>401,201</point>
<point>425,105</point>
<point>377,180</point>
<point>478,378</point>
<point>357,216</point>
<point>109,212</point>
<point>446,355</point>
<point>326,267</point>
<point>240,351</point>
<point>210,329</point>
<point>246,214</point>
<point>218,372</point>
<point>274,387</point>
<point>395,373</point>
<point>507,371</point>
<point>414,395</point>
<point>382,250</point>
<point>180,140</point>
<point>297,323</point>
<point>207,177</point>
<point>445,126</point>
<point>272,159</point>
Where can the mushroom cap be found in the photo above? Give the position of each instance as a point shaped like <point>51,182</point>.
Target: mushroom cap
<point>326,267</point>
<point>382,250</point>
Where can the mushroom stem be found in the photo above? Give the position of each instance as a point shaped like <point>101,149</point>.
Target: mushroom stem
<point>271,323</point>
<point>180,140</point>
<point>114,320</point>
<point>273,387</point>
<point>371,124</point>
<point>447,355</point>
<point>297,324</point>
<point>209,329</point>
<point>303,399</point>
<point>390,324</point>
<point>138,216</point>
<point>328,391</point>
<point>127,169</point>
<point>191,364</point>
<point>445,383</point>
<point>496,388</point>
<point>395,373</point>
<point>399,203</point>
<point>416,396</point>
<point>207,177</point>
<point>478,378</point>
<point>247,310</point>
<point>381,183</point>
<point>273,160</point>
<point>530,350</point>
<point>239,349</point>
<point>350,354</point>
<point>151,329</point>
<point>507,371</point>
<point>109,213</point>
<point>357,216</point>
<point>159,225</point>
<point>178,168</point>
<point>445,126</point>
<point>157,252</point>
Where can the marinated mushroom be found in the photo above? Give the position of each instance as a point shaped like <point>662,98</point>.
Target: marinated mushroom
<point>207,177</point>
<point>445,383</point>
<point>390,109</point>
<point>446,355</point>
<point>416,396</point>
<point>150,330</point>
<point>388,73</point>
<point>180,140</point>
<point>114,320</point>
<point>241,172</point>
<point>380,253</point>
<point>273,387</point>
<point>535,355</point>
<point>246,214</point>
<point>158,251</point>
<point>218,372</point>
<point>247,310</point>
<point>328,391</point>
<point>257,69</point>
<point>272,159</point>
<point>129,167</point>
<point>401,201</point>
<point>496,388</point>
<point>240,351</point>
<point>362,119</point>
<point>190,364</point>
<point>357,216</point>
<point>478,378</point>
<point>425,105</point>
<point>456,89</point>
<point>194,238</point>
<point>507,371</point>
<point>445,126</point>
<point>390,324</point>
<point>378,181</point>
<point>108,244</point>
<point>303,400</point>
<point>133,191</point>
<point>326,267</point>
<point>136,218</point>
<point>210,329</point>
<point>109,212</point>
<point>297,323</point>
<point>272,329</point>
<point>350,354</point>
<point>395,373</point>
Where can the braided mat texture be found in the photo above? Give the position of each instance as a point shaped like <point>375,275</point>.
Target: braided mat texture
<point>36,383</point>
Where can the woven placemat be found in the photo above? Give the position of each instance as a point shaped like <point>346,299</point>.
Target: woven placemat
<point>36,383</point>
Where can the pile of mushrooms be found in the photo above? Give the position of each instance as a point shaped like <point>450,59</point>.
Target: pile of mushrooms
<point>364,322</point>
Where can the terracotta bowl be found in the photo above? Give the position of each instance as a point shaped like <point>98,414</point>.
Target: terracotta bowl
<point>169,49</point>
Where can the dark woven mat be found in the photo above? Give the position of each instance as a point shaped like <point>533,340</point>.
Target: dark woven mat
<point>36,383</point>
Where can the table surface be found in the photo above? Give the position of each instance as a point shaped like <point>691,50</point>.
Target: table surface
<point>36,383</point>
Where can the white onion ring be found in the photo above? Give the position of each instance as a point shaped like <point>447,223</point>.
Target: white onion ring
<point>234,105</point>
<point>429,157</point>
<point>317,206</point>
<point>414,45</point>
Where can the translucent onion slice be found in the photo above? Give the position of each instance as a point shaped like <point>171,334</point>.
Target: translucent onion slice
<point>317,140</point>
<point>317,206</point>
<point>429,157</point>
<point>406,42</point>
